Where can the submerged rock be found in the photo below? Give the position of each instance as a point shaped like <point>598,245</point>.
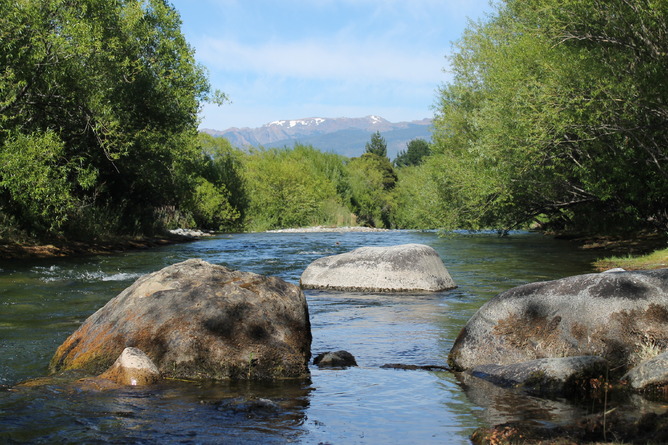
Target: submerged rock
<point>607,314</point>
<point>133,367</point>
<point>196,320</point>
<point>403,268</point>
<point>338,359</point>
<point>415,367</point>
<point>650,374</point>
<point>619,426</point>
<point>501,405</point>
<point>548,376</point>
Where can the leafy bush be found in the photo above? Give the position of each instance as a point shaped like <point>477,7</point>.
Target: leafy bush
<point>98,113</point>
<point>558,108</point>
<point>292,187</point>
<point>372,180</point>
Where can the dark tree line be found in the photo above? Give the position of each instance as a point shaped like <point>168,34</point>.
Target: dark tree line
<point>98,116</point>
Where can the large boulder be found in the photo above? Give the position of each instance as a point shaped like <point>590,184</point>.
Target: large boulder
<point>196,320</point>
<point>608,315</point>
<point>404,268</point>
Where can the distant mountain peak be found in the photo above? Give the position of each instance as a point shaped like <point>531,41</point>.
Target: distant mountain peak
<point>309,121</point>
<point>342,135</point>
<point>317,121</point>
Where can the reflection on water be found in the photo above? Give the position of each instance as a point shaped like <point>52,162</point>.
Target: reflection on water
<point>501,405</point>
<point>43,301</point>
<point>174,412</point>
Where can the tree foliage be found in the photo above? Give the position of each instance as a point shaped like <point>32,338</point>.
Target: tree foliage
<point>416,151</point>
<point>221,173</point>
<point>104,97</point>
<point>558,108</point>
<point>418,196</point>
<point>372,180</point>
<point>293,187</point>
<point>376,145</point>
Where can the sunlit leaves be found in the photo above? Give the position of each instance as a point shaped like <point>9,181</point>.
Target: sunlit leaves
<point>372,180</point>
<point>33,173</point>
<point>115,84</point>
<point>557,106</point>
<point>293,187</point>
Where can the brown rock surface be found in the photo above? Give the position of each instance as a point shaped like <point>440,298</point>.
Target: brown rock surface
<point>610,315</point>
<point>196,320</point>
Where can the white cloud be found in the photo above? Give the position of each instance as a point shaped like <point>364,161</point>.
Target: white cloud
<point>349,61</point>
<point>328,58</point>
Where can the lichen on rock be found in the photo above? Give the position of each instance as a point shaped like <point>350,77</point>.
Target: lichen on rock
<point>197,320</point>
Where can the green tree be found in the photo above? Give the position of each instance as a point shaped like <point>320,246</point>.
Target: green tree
<point>557,108</point>
<point>376,145</point>
<point>115,86</point>
<point>372,180</point>
<point>210,206</point>
<point>222,166</point>
<point>294,187</point>
<point>419,203</point>
<point>36,182</point>
<point>416,151</point>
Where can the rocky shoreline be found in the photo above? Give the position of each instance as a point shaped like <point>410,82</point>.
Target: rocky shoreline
<point>64,248</point>
<point>324,229</point>
<point>16,251</point>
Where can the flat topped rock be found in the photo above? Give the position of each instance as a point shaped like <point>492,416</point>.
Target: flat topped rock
<point>402,268</point>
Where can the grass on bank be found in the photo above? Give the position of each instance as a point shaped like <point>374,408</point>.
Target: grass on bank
<point>655,260</point>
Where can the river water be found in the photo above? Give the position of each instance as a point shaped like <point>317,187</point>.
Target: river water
<point>43,301</point>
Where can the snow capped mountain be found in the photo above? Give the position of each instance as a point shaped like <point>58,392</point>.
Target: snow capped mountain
<point>345,136</point>
<point>309,122</point>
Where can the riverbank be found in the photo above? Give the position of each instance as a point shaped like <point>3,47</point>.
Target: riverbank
<point>12,251</point>
<point>639,252</point>
<point>635,244</point>
<point>655,260</point>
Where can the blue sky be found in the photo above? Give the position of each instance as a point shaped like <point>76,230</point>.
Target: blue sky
<point>291,59</point>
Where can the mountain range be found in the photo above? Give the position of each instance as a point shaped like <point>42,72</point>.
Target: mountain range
<point>344,136</point>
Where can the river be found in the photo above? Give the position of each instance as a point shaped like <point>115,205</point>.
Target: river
<point>44,301</point>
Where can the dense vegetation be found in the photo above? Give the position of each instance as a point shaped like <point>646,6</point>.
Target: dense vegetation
<point>98,118</point>
<point>556,114</point>
<point>98,136</point>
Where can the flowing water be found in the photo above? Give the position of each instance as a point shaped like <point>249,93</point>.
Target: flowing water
<point>43,301</point>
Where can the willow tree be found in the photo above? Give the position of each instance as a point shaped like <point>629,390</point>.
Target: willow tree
<point>106,94</point>
<point>293,187</point>
<point>557,109</point>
